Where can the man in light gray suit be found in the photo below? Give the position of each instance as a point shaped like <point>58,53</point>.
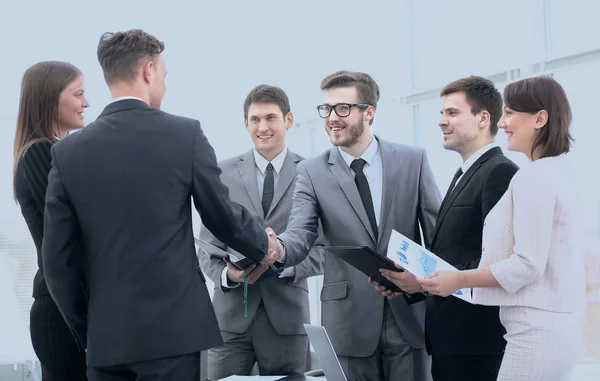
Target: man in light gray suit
<point>360,190</point>
<point>269,331</point>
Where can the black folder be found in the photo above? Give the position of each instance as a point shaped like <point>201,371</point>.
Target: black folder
<point>241,263</point>
<point>367,261</point>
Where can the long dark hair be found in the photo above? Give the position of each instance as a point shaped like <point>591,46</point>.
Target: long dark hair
<point>531,95</point>
<point>38,107</point>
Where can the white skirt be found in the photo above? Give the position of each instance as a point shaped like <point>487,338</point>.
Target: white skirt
<point>540,345</point>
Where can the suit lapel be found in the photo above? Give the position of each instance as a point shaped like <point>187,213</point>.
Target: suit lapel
<point>247,170</point>
<point>390,162</point>
<point>344,177</point>
<point>286,177</point>
<point>460,186</point>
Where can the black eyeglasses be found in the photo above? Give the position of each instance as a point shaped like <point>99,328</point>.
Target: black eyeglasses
<point>341,109</point>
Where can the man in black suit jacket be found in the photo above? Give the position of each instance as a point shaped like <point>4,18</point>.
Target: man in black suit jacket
<point>465,340</point>
<point>123,186</point>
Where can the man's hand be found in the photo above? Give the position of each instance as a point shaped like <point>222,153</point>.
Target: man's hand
<point>275,249</point>
<point>391,295</point>
<point>236,275</point>
<point>405,280</point>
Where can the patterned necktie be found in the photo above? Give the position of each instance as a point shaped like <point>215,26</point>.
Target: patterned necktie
<point>268,189</point>
<point>365,192</point>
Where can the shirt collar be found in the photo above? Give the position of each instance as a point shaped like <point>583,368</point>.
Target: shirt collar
<point>368,156</point>
<point>476,155</point>
<point>262,163</point>
<point>125,97</point>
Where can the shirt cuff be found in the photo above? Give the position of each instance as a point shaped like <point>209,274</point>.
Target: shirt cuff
<point>283,257</point>
<point>289,272</point>
<point>225,282</point>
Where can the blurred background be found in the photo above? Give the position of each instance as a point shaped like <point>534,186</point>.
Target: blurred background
<point>216,52</point>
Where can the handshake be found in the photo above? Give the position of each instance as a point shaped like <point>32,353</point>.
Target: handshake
<point>253,272</point>
<point>275,249</point>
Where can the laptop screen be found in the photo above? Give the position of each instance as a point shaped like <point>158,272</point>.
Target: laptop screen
<point>325,353</point>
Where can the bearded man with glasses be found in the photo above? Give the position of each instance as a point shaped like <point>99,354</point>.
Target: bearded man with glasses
<point>361,189</point>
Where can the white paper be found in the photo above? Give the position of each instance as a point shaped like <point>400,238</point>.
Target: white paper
<point>419,261</point>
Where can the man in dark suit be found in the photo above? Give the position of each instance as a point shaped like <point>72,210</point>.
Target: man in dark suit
<point>123,186</point>
<point>269,331</point>
<point>465,340</point>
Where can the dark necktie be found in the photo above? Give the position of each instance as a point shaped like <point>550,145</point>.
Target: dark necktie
<point>365,191</point>
<point>452,184</point>
<point>268,189</point>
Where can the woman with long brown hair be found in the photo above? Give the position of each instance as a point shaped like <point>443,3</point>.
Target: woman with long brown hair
<point>52,104</point>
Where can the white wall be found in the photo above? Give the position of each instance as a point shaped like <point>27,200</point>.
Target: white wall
<point>217,51</point>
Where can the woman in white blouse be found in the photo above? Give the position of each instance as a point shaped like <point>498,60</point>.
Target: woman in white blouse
<point>532,263</point>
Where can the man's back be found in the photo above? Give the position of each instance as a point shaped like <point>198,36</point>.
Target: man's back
<point>129,177</point>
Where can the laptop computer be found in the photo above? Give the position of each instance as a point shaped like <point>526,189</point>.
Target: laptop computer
<point>325,353</point>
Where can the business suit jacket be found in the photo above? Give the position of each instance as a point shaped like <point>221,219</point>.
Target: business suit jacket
<point>452,325</point>
<point>123,187</point>
<point>352,310</point>
<point>285,299</point>
<point>31,180</point>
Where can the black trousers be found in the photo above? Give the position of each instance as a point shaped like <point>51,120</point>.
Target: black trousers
<point>465,367</point>
<point>54,343</point>
<point>179,368</point>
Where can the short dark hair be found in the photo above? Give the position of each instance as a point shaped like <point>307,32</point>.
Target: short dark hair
<point>267,94</point>
<point>366,87</point>
<point>121,53</point>
<point>481,94</point>
<point>531,95</point>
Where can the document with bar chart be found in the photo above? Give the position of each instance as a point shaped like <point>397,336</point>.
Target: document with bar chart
<point>419,261</point>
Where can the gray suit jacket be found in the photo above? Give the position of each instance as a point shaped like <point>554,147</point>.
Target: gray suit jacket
<point>285,299</point>
<point>325,189</point>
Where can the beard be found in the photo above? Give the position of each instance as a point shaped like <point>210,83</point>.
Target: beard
<point>352,134</point>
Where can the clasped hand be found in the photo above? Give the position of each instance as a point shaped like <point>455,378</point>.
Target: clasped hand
<point>275,249</point>
<point>253,272</point>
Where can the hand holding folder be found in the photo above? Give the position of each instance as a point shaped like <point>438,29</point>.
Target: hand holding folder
<point>240,262</point>
<point>250,275</point>
<point>367,261</point>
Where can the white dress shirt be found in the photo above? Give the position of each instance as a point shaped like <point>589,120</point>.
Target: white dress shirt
<point>373,171</point>
<point>473,158</point>
<point>126,97</point>
<point>261,167</point>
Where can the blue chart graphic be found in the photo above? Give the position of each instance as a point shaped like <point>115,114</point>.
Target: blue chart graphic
<point>401,255</point>
<point>428,263</point>
<point>421,262</point>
